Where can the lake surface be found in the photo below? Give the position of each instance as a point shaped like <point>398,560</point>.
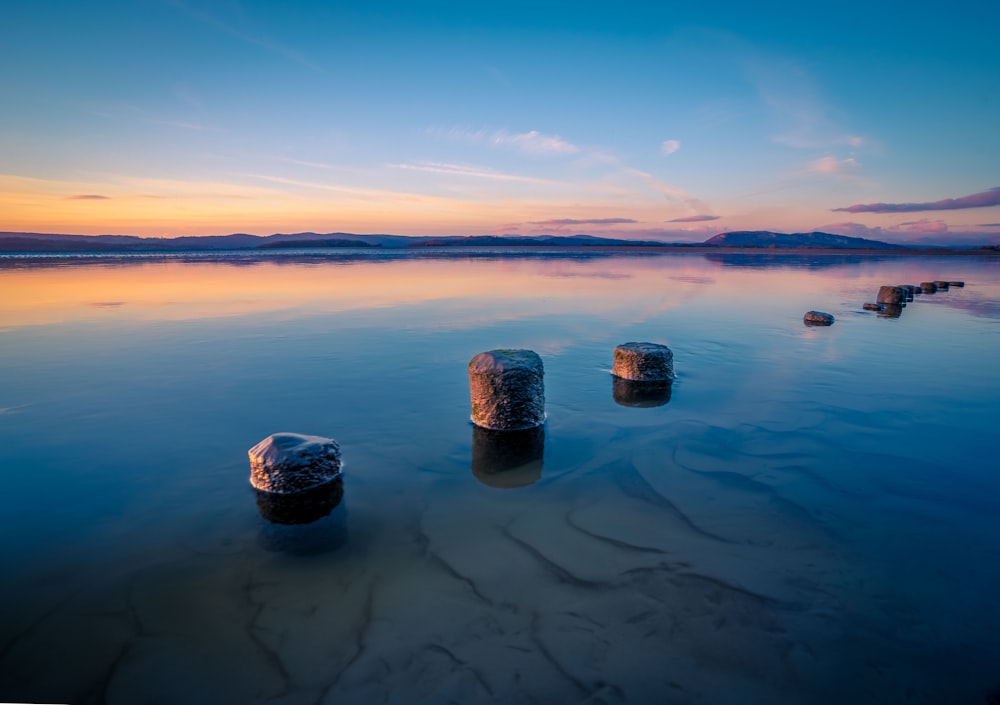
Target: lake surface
<point>808,515</point>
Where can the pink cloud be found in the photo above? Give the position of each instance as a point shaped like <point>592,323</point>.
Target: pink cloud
<point>834,166</point>
<point>587,221</point>
<point>89,197</point>
<point>983,199</point>
<point>695,219</point>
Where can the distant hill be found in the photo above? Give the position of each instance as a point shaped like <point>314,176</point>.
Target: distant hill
<point>523,241</point>
<point>762,239</point>
<point>313,244</point>
<point>793,241</point>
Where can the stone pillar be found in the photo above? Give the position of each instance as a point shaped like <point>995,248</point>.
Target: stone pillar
<point>928,287</point>
<point>507,390</point>
<point>890,295</point>
<point>287,463</point>
<point>643,362</point>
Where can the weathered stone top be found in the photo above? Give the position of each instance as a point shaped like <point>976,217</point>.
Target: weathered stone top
<point>293,462</point>
<point>818,318</point>
<point>506,360</point>
<point>644,362</point>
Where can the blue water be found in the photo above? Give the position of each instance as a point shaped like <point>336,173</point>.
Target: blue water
<point>810,517</point>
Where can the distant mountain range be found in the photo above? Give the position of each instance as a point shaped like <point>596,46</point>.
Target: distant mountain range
<point>40,242</point>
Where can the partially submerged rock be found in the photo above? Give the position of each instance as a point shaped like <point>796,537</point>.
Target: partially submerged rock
<point>957,285</point>
<point>507,389</point>
<point>941,284</point>
<point>891,295</point>
<point>643,362</point>
<point>928,287</point>
<point>873,307</point>
<point>817,318</point>
<point>287,463</point>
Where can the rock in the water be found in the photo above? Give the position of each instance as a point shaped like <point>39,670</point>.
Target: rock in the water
<point>643,362</point>
<point>817,318</point>
<point>891,295</point>
<point>957,285</point>
<point>928,287</point>
<point>872,307</point>
<point>917,290</point>
<point>286,463</point>
<point>941,285</point>
<point>507,389</point>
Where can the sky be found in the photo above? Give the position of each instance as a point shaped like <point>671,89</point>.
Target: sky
<point>668,121</point>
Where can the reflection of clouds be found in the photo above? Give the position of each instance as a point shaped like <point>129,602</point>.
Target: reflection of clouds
<point>970,302</point>
<point>591,275</point>
<point>692,279</point>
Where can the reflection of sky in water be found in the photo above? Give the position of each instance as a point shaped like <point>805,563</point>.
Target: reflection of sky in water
<point>816,505</point>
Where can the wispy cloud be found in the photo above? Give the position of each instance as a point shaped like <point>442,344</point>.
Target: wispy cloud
<point>669,147</point>
<point>833,166</point>
<point>532,142</point>
<point>983,199</point>
<point>695,219</point>
<point>584,221</point>
<point>88,197</point>
<point>470,171</point>
<point>988,225</point>
<point>670,192</point>
<point>253,37</point>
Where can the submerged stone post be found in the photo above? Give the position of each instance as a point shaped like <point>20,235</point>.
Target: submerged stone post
<point>288,463</point>
<point>507,390</point>
<point>817,318</point>
<point>643,362</point>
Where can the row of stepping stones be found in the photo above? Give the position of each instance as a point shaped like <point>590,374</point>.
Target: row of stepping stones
<point>507,391</point>
<point>891,299</point>
<point>889,302</point>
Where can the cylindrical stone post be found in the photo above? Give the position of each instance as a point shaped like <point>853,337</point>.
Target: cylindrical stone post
<point>643,362</point>
<point>507,389</point>
<point>941,285</point>
<point>287,463</point>
<point>890,295</point>
<point>928,287</point>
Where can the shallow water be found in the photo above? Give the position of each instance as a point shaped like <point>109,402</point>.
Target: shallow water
<point>808,515</point>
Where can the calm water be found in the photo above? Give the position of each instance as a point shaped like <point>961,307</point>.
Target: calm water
<point>811,517</point>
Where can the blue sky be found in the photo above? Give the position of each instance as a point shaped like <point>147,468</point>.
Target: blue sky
<point>171,117</point>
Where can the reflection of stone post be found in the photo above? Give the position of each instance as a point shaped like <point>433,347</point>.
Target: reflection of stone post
<point>640,394</point>
<point>891,311</point>
<point>507,459</point>
<point>507,390</point>
<point>643,362</point>
<point>301,507</point>
<point>286,463</point>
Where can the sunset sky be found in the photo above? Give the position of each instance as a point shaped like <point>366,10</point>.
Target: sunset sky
<point>656,120</point>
